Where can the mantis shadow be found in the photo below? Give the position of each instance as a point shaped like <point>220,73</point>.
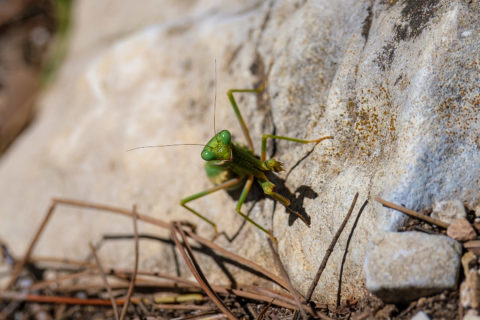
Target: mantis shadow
<point>296,198</point>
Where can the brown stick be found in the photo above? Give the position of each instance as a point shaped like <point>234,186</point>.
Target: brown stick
<point>44,284</point>
<point>281,298</point>
<point>284,273</point>
<point>162,224</point>
<point>56,299</point>
<point>413,213</point>
<point>262,313</point>
<point>238,258</point>
<point>344,258</point>
<point>121,211</point>
<point>112,271</point>
<point>259,297</point>
<point>21,264</point>
<point>189,258</point>
<point>153,221</point>
<point>330,250</point>
<point>135,268</point>
<point>93,302</point>
<point>105,281</point>
<point>66,261</point>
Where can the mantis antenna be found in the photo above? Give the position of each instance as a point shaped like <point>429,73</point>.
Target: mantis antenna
<point>168,145</point>
<point>215,98</point>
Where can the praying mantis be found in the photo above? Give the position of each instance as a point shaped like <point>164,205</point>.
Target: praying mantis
<point>230,165</point>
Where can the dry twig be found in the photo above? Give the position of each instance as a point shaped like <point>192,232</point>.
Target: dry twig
<point>56,299</point>
<point>105,281</point>
<point>238,258</point>
<point>192,264</point>
<point>251,292</point>
<point>165,225</point>
<point>413,213</point>
<point>329,250</point>
<point>135,268</point>
<point>339,290</point>
<point>21,264</point>
<point>292,290</point>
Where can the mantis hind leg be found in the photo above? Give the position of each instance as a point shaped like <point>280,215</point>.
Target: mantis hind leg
<point>276,166</point>
<point>263,155</point>
<point>240,202</point>
<point>230,92</point>
<point>195,196</point>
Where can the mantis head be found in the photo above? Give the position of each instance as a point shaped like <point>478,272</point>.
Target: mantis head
<point>219,147</point>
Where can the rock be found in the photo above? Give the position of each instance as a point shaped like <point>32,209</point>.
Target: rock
<point>386,312</point>
<point>468,261</point>
<point>473,246</point>
<point>395,82</point>
<point>404,266</point>
<point>470,290</point>
<point>448,211</point>
<point>471,315</point>
<point>421,301</point>
<point>476,224</point>
<point>420,316</point>
<point>461,230</point>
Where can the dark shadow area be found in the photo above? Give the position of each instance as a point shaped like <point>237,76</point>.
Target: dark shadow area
<point>239,230</point>
<point>256,194</point>
<point>296,198</point>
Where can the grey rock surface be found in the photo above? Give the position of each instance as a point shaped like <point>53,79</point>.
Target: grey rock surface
<point>420,316</point>
<point>395,82</point>
<point>448,211</point>
<point>408,265</point>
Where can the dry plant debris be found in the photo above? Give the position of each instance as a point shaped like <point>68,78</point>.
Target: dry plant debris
<point>136,293</point>
<point>145,294</point>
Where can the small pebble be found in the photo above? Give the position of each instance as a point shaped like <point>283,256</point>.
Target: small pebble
<point>476,224</point>
<point>461,230</point>
<point>421,301</point>
<point>468,260</point>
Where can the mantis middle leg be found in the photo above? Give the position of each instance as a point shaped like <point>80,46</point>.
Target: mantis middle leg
<point>195,196</point>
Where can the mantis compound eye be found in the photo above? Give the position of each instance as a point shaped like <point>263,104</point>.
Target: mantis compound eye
<point>225,136</point>
<point>208,155</point>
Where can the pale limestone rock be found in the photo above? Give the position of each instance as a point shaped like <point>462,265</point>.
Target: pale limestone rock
<point>396,83</point>
<point>404,266</point>
<point>448,211</point>
<point>470,290</point>
<point>468,259</point>
<point>461,230</point>
<point>471,315</point>
<point>420,316</point>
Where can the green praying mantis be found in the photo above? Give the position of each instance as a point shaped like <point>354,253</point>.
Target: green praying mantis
<point>230,165</point>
